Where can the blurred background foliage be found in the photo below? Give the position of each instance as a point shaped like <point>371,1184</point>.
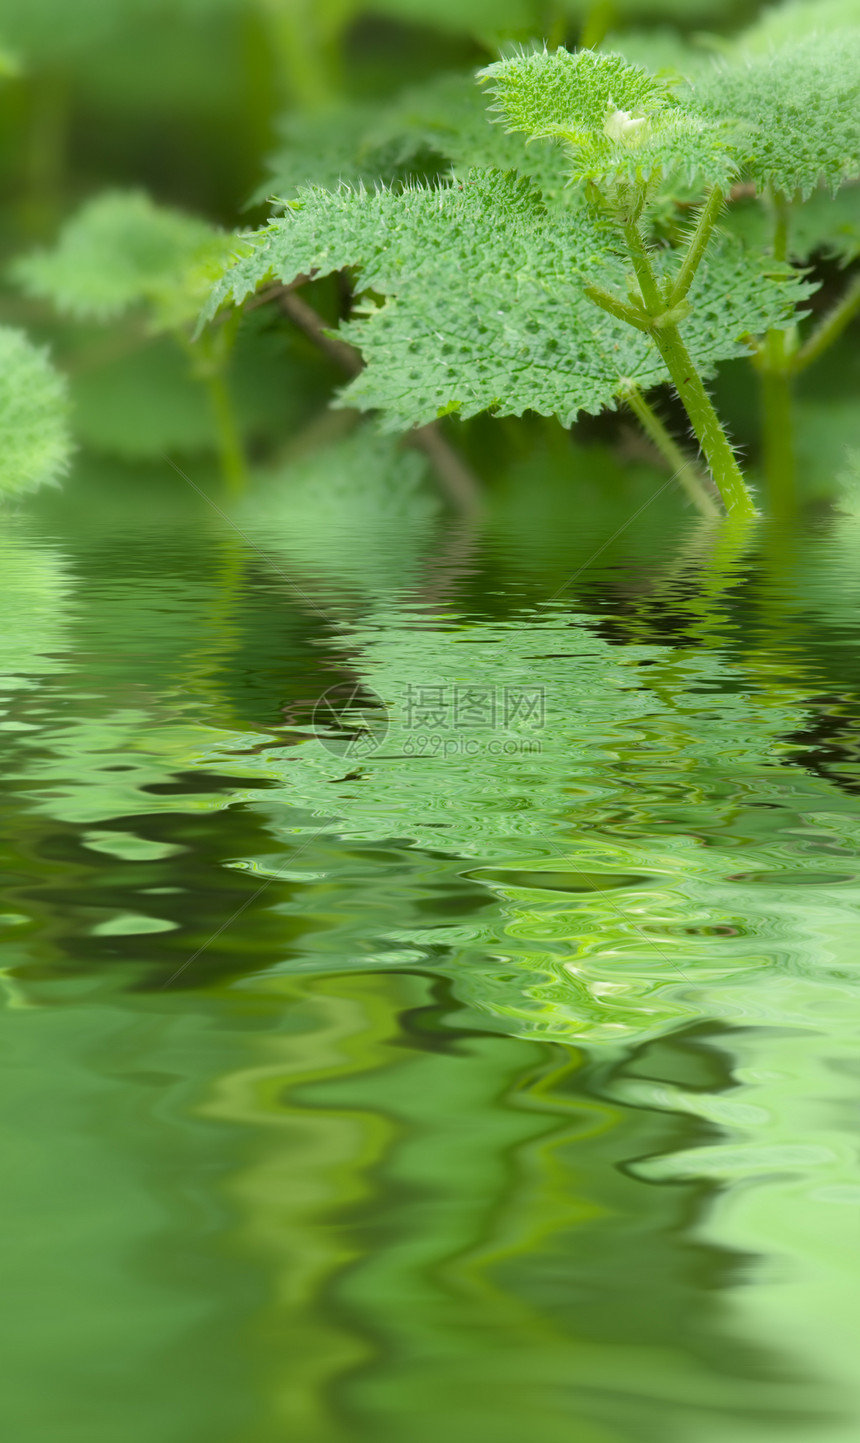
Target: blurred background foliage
<point>206,107</point>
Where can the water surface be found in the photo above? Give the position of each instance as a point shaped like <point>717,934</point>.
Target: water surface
<point>491,1086</point>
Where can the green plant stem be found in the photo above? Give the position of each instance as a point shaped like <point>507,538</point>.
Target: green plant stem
<point>778,440</point>
<point>652,296</point>
<point>705,422</point>
<point>618,308</point>
<point>208,359</point>
<point>45,153</point>
<point>305,57</point>
<point>597,24</point>
<point>775,365</point>
<point>231,453</point>
<point>683,468</point>
<point>697,247</point>
<point>688,383</point>
<point>453,473</point>
<point>830,329</point>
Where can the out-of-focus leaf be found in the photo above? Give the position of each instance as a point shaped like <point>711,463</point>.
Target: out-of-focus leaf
<point>34,436</point>
<point>123,250</point>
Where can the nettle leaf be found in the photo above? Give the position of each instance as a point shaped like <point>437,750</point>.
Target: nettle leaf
<point>485,305</point>
<point>425,133</point>
<point>123,250</point>
<point>451,116</point>
<point>780,24</point>
<point>618,122</point>
<point>34,438</point>
<point>799,108</point>
<point>543,93</point>
<point>352,143</point>
<point>666,53</point>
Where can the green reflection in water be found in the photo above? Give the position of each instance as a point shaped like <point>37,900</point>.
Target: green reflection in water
<point>402,1096</point>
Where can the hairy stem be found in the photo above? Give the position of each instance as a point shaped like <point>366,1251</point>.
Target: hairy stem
<point>688,383</point>
<point>231,453</point>
<point>652,296</point>
<point>705,422</point>
<point>830,328</point>
<point>617,308</point>
<point>697,247</point>
<point>683,467</point>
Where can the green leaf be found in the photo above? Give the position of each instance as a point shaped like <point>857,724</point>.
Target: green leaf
<point>343,144</point>
<point>423,133</point>
<point>664,52</point>
<point>452,116</point>
<point>485,298</point>
<point>618,122</point>
<point>122,250</point>
<point>34,439</point>
<point>798,108</point>
<point>781,24</point>
<point>556,93</point>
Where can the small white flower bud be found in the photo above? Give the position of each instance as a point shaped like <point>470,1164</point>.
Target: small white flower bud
<point>624,128</point>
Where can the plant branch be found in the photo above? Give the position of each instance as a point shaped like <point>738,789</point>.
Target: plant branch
<point>455,476</point>
<point>688,383</point>
<point>705,422</point>
<point>312,324</point>
<point>683,467</point>
<point>618,308</point>
<point>307,61</point>
<point>209,359</point>
<point>778,440</point>
<point>829,329</point>
<point>652,296</point>
<point>697,247</point>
